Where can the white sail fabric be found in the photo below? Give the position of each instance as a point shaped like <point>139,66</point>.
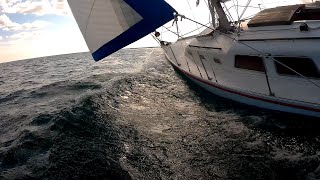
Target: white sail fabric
<point>102,20</point>
<point>109,25</point>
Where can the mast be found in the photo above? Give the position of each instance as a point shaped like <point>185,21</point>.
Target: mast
<point>213,14</point>
<point>223,20</point>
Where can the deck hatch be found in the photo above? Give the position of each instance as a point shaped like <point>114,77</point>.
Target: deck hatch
<point>283,15</point>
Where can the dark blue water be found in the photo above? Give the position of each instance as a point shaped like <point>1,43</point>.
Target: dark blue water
<point>132,116</point>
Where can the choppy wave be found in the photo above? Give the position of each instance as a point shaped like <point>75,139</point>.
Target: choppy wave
<point>133,117</point>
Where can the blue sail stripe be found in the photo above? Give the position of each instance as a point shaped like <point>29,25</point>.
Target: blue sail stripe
<point>155,13</point>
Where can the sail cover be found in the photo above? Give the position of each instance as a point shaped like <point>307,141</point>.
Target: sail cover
<point>109,25</point>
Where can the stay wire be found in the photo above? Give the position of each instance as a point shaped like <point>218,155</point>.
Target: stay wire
<point>192,12</point>
<point>194,30</point>
<point>245,9</point>
<point>172,32</point>
<point>225,7</point>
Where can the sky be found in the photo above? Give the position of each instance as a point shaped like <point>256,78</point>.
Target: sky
<point>36,28</point>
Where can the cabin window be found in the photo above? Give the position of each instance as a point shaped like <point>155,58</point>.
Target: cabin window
<point>217,60</point>
<point>254,63</point>
<point>304,66</point>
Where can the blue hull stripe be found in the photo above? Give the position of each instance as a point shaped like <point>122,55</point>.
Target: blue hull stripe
<point>155,13</point>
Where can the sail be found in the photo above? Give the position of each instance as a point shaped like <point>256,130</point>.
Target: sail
<point>109,25</point>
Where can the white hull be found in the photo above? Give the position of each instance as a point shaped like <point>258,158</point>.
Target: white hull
<point>276,104</point>
<point>197,59</point>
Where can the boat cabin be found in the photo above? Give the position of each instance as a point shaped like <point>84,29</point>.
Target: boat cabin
<point>272,61</point>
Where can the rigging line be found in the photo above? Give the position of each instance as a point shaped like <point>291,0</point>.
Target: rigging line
<point>248,17</point>
<point>205,1</point>
<point>276,2</point>
<point>172,32</point>
<point>192,12</point>
<point>85,30</point>
<point>262,4</point>
<point>225,7</point>
<point>167,30</point>
<point>261,53</point>
<point>164,31</point>
<point>245,9</point>
<point>161,32</point>
<point>183,35</point>
<point>237,9</point>
<point>178,32</point>
<point>195,30</point>
<point>155,38</point>
<point>175,21</point>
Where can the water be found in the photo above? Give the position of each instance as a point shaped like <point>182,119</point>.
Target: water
<point>132,116</point>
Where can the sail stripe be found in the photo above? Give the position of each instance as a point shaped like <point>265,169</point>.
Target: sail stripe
<point>153,18</point>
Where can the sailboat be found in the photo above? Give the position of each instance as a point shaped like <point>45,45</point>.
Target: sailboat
<point>271,60</point>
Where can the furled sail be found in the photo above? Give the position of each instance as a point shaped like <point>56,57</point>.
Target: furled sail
<point>109,25</point>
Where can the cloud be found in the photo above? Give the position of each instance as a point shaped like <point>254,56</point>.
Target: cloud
<point>8,25</point>
<point>32,7</point>
<point>9,2</point>
<point>306,1</point>
<point>24,36</point>
<point>61,6</point>
<point>1,38</point>
<point>5,21</point>
<point>6,6</point>
<point>42,43</point>
<point>37,7</point>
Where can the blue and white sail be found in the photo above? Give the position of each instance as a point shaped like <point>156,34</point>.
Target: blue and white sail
<point>109,25</point>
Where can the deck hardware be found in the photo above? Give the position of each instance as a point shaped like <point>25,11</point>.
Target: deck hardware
<point>304,27</point>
